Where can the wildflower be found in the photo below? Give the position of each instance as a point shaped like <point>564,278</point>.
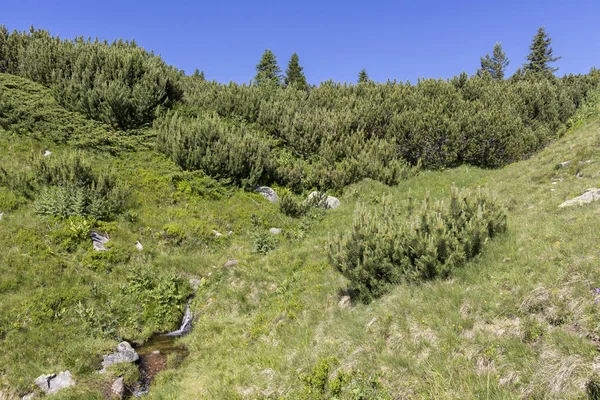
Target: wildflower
<point>597,290</point>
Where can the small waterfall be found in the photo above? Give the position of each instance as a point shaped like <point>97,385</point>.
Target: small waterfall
<point>186,323</point>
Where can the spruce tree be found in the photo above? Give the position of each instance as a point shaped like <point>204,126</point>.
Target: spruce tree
<point>199,74</point>
<point>496,64</point>
<point>363,77</point>
<point>267,70</point>
<point>541,54</point>
<point>293,75</point>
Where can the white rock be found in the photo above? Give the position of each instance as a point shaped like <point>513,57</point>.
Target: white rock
<point>217,233</point>
<point>139,246</point>
<point>124,353</point>
<point>267,193</point>
<point>52,383</point>
<point>47,153</point>
<point>329,201</point>
<point>1,215</point>
<point>118,387</point>
<point>275,231</point>
<point>588,196</point>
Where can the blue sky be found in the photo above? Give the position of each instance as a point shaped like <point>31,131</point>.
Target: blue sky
<point>401,40</point>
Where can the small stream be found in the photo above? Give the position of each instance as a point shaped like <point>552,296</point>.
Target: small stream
<point>155,352</point>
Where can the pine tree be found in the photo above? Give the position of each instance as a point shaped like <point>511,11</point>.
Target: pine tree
<point>199,74</point>
<point>267,70</point>
<point>363,77</point>
<point>541,54</point>
<point>496,64</point>
<point>293,75</point>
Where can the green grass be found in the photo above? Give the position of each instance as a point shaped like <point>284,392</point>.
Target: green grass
<point>520,320</point>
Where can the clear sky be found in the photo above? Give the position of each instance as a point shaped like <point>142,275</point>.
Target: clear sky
<point>401,40</point>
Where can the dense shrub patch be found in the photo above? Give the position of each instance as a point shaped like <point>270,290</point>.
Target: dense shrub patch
<point>388,245</point>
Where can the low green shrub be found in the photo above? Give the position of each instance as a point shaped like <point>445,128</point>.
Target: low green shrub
<point>387,246</point>
<point>289,206</point>
<point>69,186</point>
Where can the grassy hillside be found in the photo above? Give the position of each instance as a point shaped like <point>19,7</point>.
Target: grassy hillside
<point>520,320</point>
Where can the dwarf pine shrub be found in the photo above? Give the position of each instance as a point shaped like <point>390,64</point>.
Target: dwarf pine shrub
<point>388,245</point>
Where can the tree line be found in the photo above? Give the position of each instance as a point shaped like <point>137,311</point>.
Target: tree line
<point>278,128</point>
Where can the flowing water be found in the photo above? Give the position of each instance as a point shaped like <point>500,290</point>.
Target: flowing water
<point>155,352</point>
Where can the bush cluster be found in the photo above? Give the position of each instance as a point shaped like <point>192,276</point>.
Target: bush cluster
<point>68,186</point>
<point>118,83</point>
<point>388,245</point>
<point>336,134</point>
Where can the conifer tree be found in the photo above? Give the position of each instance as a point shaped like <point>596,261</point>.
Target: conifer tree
<point>199,74</point>
<point>541,54</point>
<point>267,70</point>
<point>496,64</point>
<point>293,75</point>
<point>363,77</point>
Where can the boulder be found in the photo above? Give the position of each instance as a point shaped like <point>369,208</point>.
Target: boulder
<point>231,263</point>
<point>588,196</point>
<point>124,353</point>
<point>563,164</point>
<point>195,283</point>
<point>53,383</point>
<point>98,241</point>
<point>267,193</point>
<point>118,387</point>
<point>326,202</point>
<point>275,231</point>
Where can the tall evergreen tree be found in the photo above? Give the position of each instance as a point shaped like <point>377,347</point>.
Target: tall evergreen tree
<point>541,55</point>
<point>267,70</point>
<point>293,75</point>
<point>363,77</point>
<point>496,64</point>
<point>199,74</point>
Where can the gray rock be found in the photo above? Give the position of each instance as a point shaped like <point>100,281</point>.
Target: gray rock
<point>563,164</point>
<point>588,196</point>
<point>29,396</point>
<point>267,193</point>
<point>332,202</point>
<point>231,263</point>
<point>344,302</point>
<point>52,383</point>
<point>195,283</point>
<point>124,353</point>
<point>326,202</point>
<point>118,387</point>
<point>43,382</point>
<point>98,242</point>
<point>63,380</point>
<point>275,231</point>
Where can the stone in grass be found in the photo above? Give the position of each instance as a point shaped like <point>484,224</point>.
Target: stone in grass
<point>231,263</point>
<point>118,387</point>
<point>52,383</point>
<point>588,196</point>
<point>98,242</point>
<point>275,231</point>
<point>330,202</point>
<point>344,302</point>
<point>124,353</point>
<point>267,193</point>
